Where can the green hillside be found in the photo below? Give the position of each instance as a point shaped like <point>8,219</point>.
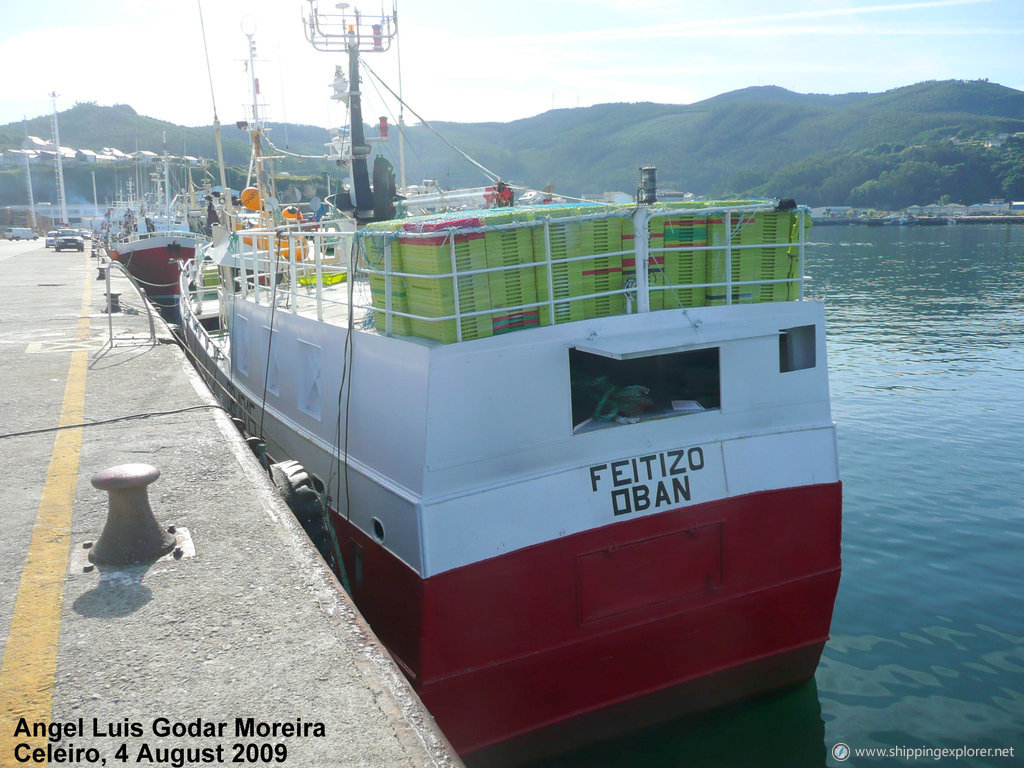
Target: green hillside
<point>88,126</point>
<point>915,144</point>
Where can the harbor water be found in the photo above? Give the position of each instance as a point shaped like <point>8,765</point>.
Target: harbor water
<point>926,357</point>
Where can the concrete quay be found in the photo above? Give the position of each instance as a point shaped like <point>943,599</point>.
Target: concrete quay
<point>244,649</point>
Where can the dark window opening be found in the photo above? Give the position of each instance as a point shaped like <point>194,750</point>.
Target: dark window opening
<point>796,348</point>
<point>606,391</point>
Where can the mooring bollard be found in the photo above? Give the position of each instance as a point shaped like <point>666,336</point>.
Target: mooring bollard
<point>102,267</point>
<point>131,534</point>
<point>113,302</point>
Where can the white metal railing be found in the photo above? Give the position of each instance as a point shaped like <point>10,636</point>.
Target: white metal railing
<point>301,269</point>
<point>128,237</point>
<point>112,300</point>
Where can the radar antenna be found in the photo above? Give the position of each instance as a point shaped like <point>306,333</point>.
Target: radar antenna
<point>349,30</point>
<point>353,33</point>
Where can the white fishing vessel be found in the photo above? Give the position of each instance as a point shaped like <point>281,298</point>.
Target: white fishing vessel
<point>577,463</point>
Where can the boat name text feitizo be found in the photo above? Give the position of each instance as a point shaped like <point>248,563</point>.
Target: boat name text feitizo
<point>648,482</point>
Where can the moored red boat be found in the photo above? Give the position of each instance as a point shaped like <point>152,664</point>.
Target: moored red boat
<point>153,260</point>
<point>152,238</point>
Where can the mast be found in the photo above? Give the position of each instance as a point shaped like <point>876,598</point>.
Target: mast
<point>401,108</point>
<point>264,177</point>
<point>28,181</point>
<point>225,193</point>
<point>362,198</point>
<point>61,199</point>
<point>352,35</point>
<point>167,184</point>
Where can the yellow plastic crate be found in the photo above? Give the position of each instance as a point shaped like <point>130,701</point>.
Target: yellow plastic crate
<point>774,260</point>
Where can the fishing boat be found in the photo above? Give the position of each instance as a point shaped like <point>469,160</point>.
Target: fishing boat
<point>151,236</point>
<point>575,464</point>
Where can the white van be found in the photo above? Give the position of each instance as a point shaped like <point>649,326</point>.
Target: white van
<point>20,233</point>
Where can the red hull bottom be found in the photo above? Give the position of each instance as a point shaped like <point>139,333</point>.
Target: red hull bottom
<point>608,630</point>
<point>745,683</point>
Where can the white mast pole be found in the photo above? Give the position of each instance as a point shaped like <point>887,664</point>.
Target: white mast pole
<point>226,195</point>
<point>61,200</point>
<point>167,184</point>
<point>401,105</point>
<point>28,180</point>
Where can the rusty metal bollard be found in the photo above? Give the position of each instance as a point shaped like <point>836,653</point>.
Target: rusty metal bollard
<point>131,533</point>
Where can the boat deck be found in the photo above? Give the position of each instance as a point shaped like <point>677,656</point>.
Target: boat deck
<point>250,625</point>
<point>455,279</point>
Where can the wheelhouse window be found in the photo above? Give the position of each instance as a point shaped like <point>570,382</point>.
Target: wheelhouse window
<point>608,392</point>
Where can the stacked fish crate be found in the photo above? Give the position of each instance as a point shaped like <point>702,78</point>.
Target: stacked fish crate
<point>513,284</point>
<point>775,259</point>
<point>430,296</point>
<point>586,258</point>
<point>675,243</point>
<point>521,268</point>
<point>373,241</point>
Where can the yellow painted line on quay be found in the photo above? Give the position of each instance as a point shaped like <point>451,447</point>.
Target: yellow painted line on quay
<point>29,664</point>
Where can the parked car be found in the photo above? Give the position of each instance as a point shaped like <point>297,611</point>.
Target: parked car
<point>20,233</point>
<point>70,240</point>
<point>51,238</point>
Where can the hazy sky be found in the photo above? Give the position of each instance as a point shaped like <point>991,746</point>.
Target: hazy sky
<point>494,61</point>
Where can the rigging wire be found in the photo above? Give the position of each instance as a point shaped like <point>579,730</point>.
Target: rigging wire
<point>401,126</point>
<point>284,101</point>
<point>286,153</point>
<point>490,174</point>
<point>339,445</point>
<point>341,420</point>
<point>270,341</point>
<point>376,79</point>
<point>349,351</point>
<point>206,54</point>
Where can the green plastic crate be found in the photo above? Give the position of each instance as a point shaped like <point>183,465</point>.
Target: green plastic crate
<point>372,243</point>
<point>399,303</point>
<point>602,273</point>
<point>666,267</point>
<point>515,284</point>
<point>565,241</point>
<point>435,297</point>
<point>774,260</point>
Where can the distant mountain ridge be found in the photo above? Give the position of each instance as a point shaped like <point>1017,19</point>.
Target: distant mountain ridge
<point>939,138</point>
